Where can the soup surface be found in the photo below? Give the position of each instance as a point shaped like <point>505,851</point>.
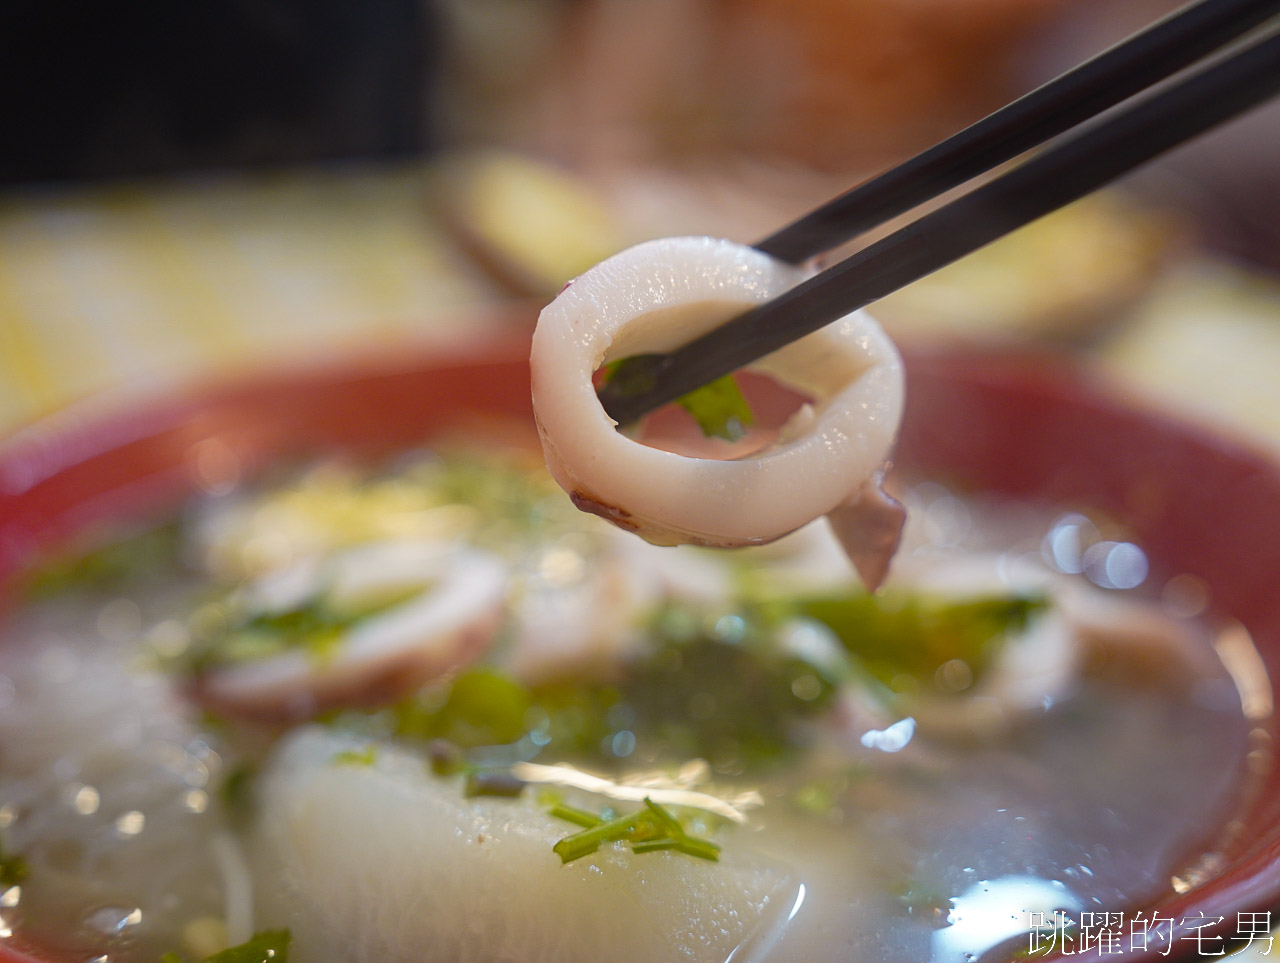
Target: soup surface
<point>433,712</point>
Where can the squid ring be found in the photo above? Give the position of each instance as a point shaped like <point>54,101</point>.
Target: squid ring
<point>447,624</point>
<point>829,457</point>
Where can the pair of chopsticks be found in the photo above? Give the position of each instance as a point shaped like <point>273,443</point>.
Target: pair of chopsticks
<point>1062,173</point>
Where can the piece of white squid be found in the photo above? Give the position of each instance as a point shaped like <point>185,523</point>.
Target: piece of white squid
<point>828,458</point>
<point>586,616</point>
<point>454,606</point>
<point>1085,631</point>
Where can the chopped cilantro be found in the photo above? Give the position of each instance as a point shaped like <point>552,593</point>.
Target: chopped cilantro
<point>268,946</point>
<point>630,376</point>
<point>13,869</point>
<point>718,407</point>
<point>316,627</point>
<point>512,496</point>
<point>357,757</point>
<point>481,707</point>
<point>445,758</point>
<point>821,795</point>
<point>312,628</point>
<point>237,788</point>
<point>910,636</point>
<point>126,557</point>
<point>591,839</point>
<point>573,814</point>
<point>575,719</point>
<point>647,830</point>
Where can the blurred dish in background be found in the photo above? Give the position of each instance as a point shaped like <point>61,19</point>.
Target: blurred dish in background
<point>1206,343</point>
<point>1065,277</point>
<point>835,84</point>
<point>530,224</point>
<point>1227,180</point>
<point>829,81</point>
<point>731,117</point>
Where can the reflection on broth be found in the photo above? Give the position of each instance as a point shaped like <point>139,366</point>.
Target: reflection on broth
<point>553,741</point>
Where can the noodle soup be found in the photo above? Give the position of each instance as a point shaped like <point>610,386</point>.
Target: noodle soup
<point>807,796</point>
<point>817,772</point>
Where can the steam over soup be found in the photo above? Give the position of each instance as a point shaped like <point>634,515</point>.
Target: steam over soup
<point>432,712</point>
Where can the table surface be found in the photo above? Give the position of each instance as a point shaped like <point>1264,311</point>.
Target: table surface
<point>131,285</point>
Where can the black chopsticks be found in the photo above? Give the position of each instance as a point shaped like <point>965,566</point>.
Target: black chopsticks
<point>1124,70</point>
<point>1049,180</point>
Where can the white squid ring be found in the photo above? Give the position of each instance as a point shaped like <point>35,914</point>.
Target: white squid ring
<point>445,626</point>
<point>659,295</point>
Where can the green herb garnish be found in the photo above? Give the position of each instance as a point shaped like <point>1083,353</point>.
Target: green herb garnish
<point>13,869</point>
<point>315,627</point>
<point>444,758</point>
<point>719,407</point>
<point>268,946</point>
<point>237,788</point>
<point>126,557</point>
<point>903,637</point>
<point>357,757</point>
<point>591,839</point>
<point>481,707</point>
<point>572,814</point>
<point>513,497</point>
<point>646,830</point>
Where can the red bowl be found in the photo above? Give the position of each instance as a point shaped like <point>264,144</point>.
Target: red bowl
<point>1008,424</point>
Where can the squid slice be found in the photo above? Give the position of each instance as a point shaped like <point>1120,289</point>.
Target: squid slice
<point>388,863</point>
<point>447,624</point>
<point>583,630</point>
<point>1086,631</point>
<point>661,294</point>
<point>589,627</point>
